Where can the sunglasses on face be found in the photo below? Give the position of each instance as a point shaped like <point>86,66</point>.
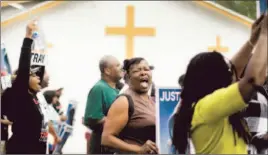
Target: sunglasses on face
<point>32,74</point>
<point>34,71</point>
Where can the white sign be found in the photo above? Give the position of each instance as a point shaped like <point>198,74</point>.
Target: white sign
<point>39,59</point>
<point>49,112</point>
<point>6,81</point>
<point>68,128</point>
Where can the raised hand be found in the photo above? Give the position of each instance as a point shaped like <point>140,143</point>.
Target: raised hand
<point>57,139</point>
<point>256,30</point>
<point>264,25</point>
<point>31,27</point>
<point>63,118</point>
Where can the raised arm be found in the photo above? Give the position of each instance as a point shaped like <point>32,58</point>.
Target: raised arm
<point>242,57</point>
<point>227,101</point>
<point>22,80</point>
<point>255,73</point>
<point>116,121</point>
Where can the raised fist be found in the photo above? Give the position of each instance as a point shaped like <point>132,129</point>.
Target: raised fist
<point>31,27</point>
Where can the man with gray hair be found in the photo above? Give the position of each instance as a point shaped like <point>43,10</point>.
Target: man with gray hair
<point>100,98</point>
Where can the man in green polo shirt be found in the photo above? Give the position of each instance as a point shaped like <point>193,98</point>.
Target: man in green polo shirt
<point>100,98</point>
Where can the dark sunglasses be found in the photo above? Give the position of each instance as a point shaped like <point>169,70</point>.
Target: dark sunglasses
<point>33,74</point>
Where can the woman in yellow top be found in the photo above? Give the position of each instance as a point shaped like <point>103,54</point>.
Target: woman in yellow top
<point>212,100</point>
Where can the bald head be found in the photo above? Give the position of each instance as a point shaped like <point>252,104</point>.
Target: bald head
<point>110,67</point>
<point>105,62</point>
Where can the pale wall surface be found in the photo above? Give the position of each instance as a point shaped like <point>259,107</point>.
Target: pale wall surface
<point>77,31</point>
<point>9,11</point>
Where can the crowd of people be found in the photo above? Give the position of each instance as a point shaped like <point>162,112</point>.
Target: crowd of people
<point>21,107</point>
<point>222,104</point>
<point>214,114</point>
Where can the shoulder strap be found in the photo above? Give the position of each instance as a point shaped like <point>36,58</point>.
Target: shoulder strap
<point>130,104</point>
<point>109,150</point>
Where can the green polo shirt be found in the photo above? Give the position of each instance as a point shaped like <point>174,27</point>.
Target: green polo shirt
<point>99,100</point>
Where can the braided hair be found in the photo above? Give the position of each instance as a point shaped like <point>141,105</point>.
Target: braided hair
<point>130,62</point>
<point>212,73</point>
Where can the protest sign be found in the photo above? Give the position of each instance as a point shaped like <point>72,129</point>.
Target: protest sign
<point>167,98</point>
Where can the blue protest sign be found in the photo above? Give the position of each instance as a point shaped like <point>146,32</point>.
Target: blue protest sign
<point>167,98</point>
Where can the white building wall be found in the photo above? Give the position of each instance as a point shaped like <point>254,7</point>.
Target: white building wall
<point>77,32</point>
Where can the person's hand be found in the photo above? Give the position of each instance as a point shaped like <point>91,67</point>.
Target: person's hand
<point>57,140</point>
<point>6,122</point>
<point>63,118</point>
<point>264,25</point>
<point>148,148</point>
<point>31,27</point>
<point>256,30</point>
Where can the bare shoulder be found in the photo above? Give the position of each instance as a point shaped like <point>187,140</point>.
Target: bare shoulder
<point>121,103</point>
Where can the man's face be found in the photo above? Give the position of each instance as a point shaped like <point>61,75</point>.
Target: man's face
<point>114,70</point>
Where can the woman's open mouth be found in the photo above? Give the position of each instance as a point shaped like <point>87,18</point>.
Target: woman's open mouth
<point>144,83</point>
